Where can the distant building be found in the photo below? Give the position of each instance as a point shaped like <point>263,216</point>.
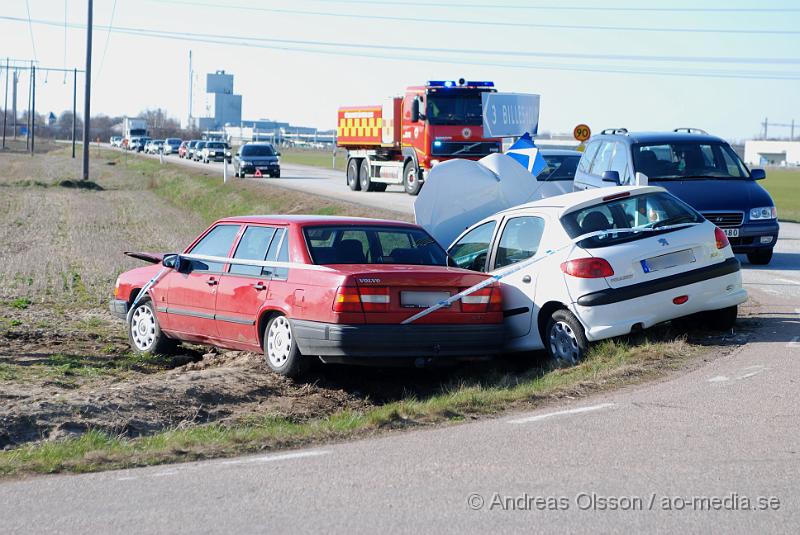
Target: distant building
<point>780,153</point>
<point>226,106</point>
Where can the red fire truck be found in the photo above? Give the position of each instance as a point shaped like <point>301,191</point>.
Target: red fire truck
<point>399,141</point>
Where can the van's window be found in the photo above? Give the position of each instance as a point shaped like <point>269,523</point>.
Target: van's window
<point>217,242</point>
<point>647,212</point>
<point>559,167</point>
<point>519,240</point>
<point>252,246</point>
<point>472,250</point>
<point>688,161</point>
<point>619,163</point>
<point>588,156</point>
<point>373,245</point>
<point>603,158</point>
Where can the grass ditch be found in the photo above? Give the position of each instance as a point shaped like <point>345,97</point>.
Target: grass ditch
<point>784,187</point>
<point>610,364</point>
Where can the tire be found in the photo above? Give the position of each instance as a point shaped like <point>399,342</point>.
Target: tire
<point>411,181</point>
<point>721,320</point>
<point>144,333</point>
<point>364,179</point>
<point>278,174</point>
<point>379,186</point>
<point>565,338</point>
<point>760,258</point>
<point>352,174</point>
<point>280,348</point>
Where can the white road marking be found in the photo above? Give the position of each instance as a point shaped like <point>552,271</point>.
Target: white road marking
<point>127,478</point>
<point>163,474</point>
<point>794,344</point>
<point>744,373</point>
<point>579,410</point>
<point>281,457</point>
<point>786,281</point>
<point>718,379</point>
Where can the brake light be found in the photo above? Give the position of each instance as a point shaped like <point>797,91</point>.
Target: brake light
<point>588,268</point>
<point>352,299</point>
<point>617,196</point>
<point>487,299</point>
<point>722,239</point>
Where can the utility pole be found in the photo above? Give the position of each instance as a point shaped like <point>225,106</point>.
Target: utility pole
<point>14,104</point>
<point>87,92</point>
<point>33,109</point>
<point>74,107</point>
<point>30,88</point>
<point>191,93</point>
<point>5,106</point>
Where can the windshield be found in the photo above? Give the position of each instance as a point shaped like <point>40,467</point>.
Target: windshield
<point>444,108</point>
<point>373,245</point>
<point>561,167</point>
<point>215,145</point>
<point>688,160</point>
<point>258,150</point>
<point>648,212</point>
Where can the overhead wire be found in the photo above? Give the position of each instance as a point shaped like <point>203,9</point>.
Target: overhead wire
<point>30,29</point>
<point>108,37</point>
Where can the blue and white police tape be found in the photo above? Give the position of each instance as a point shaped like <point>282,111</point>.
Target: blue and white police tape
<point>499,275</point>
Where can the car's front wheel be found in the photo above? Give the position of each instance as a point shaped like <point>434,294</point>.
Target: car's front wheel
<point>565,338</point>
<point>280,348</point>
<point>760,258</point>
<point>144,333</point>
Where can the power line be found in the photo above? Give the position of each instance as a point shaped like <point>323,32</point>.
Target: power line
<point>108,38</point>
<point>554,7</point>
<point>507,24</point>
<point>399,48</point>
<point>30,29</point>
<point>66,4</point>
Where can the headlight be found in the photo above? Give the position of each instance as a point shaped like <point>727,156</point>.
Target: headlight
<point>766,212</point>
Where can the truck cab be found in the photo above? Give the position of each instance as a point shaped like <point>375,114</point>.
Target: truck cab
<point>401,140</point>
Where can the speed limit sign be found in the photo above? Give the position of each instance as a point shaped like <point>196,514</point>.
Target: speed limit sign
<point>582,132</point>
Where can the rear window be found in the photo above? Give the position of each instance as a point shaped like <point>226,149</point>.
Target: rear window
<point>373,245</point>
<point>647,212</point>
<point>215,145</point>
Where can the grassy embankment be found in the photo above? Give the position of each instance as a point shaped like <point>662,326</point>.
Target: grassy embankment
<point>784,187</point>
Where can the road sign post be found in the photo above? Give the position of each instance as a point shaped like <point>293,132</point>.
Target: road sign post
<point>510,114</point>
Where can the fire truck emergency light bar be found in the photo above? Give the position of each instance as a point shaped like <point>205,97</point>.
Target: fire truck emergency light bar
<point>451,83</point>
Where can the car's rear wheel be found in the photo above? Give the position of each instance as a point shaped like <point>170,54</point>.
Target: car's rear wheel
<point>760,258</point>
<point>565,338</point>
<point>352,175</point>
<point>144,333</point>
<point>411,181</point>
<point>721,320</point>
<point>280,348</point>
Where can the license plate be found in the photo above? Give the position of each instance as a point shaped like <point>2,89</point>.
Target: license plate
<point>666,261</point>
<point>421,299</point>
<point>731,232</point>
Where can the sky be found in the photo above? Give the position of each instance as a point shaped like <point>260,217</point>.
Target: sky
<point>722,66</point>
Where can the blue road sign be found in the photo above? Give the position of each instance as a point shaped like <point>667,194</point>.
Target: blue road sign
<point>510,114</point>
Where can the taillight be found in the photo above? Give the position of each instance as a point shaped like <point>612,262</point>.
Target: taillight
<point>347,300</point>
<point>486,299</point>
<point>722,239</point>
<point>353,299</point>
<point>588,268</point>
<point>374,298</point>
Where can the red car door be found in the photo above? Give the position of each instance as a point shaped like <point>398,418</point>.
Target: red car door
<point>192,291</point>
<point>243,289</point>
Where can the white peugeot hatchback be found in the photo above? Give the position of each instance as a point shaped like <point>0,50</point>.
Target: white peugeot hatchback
<point>601,263</point>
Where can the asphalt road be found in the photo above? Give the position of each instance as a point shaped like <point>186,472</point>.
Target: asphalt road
<point>712,450</point>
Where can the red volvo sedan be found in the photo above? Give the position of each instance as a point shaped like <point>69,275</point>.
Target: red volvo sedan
<point>301,287</point>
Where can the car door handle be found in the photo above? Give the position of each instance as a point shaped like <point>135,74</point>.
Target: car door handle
<point>212,282</point>
<point>526,279</point>
<point>260,286</point>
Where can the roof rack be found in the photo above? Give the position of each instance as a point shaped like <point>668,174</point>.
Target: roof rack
<point>611,131</point>
<point>691,130</point>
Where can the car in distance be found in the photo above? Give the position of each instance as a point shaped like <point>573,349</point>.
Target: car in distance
<point>214,151</point>
<point>606,262</point>
<point>137,144</point>
<point>115,141</point>
<point>197,153</point>
<point>171,145</point>
<point>190,148</point>
<point>257,158</point>
<point>182,150</point>
<point>339,290</point>
<point>700,169</point>
<point>156,146</point>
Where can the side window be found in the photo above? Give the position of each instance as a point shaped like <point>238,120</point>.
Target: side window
<point>278,249</point>
<point>471,251</point>
<point>519,240</point>
<point>253,246</point>
<point>588,156</point>
<point>619,163</point>
<point>603,158</point>
<point>217,242</point>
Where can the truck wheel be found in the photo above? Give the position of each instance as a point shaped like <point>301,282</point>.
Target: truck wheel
<point>411,179</point>
<point>363,176</point>
<point>352,174</point>
<point>760,258</point>
<point>378,186</point>
<point>280,349</point>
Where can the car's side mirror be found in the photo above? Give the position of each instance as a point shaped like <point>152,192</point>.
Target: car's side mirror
<point>758,174</point>
<point>278,153</point>
<point>415,111</point>
<point>611,176</point>
<point>171,261</point>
